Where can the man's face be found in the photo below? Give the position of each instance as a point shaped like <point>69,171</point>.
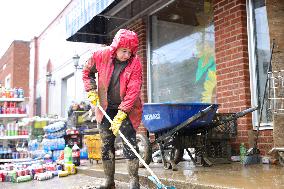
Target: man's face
<point>123,54</point>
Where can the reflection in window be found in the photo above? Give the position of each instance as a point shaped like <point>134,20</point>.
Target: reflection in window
<point>262,49</point>
<point>182,65</point>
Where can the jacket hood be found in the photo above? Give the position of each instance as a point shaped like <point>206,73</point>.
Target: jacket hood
<point>125,39</point>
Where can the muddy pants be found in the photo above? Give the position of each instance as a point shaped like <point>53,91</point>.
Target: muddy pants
<point>108,139</point>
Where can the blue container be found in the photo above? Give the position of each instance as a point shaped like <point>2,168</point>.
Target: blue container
<point>163,116</point>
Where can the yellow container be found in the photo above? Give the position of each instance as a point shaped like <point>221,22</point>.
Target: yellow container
<point>63,174</point>
<point>93,143</point>
<point>70,168</point>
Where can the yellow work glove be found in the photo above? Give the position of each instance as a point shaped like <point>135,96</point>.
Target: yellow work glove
<point>93,97</point>
<point>117,120</point>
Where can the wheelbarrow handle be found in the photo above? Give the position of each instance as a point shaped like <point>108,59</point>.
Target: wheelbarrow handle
<point>132,148</point>
<point>236,115</point>
<point>246,111</point>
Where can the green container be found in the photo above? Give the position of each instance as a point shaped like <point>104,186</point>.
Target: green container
<point>243,152</point>
<point>68,155</point>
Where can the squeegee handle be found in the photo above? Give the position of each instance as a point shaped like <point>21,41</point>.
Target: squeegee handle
<point>131,147</point>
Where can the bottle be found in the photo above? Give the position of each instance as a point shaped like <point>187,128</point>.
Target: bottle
<point>76,154</point>
<point>243,152</point>
<point>67,155</point>
<point>2,131</point>
<point>8,130</point>
<point>9,153</point>
<point>5,151</point>
<point>16,129</point>
<point>84,153</point>
<point>1,152</point>
<point>16,92</point>
<point>21,93</point>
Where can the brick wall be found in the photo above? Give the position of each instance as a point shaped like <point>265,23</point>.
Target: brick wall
<point>139,26</point>
<point>16,59</point>
<point>6,64</point>
<point>21,66</point>
<point>231,44</point>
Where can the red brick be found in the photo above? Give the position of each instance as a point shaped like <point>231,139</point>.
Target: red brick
<point>233,87</point>
<point>17,60</point>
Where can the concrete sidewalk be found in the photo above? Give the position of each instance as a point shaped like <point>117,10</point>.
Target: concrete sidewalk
<point>233,175</point>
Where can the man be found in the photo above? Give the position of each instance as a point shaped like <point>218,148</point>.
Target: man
<point>119,78</point>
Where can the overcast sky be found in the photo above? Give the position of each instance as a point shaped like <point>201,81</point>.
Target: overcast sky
<point>24,19</point>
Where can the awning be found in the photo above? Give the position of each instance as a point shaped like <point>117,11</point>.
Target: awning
<point>86,25</point>
<point>84,12</point>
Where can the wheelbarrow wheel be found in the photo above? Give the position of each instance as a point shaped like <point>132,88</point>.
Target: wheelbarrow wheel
<point>145,150</point>
<point>178,155</point>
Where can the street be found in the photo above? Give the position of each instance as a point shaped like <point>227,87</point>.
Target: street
<point>78,181</point>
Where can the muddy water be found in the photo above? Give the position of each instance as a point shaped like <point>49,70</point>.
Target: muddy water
<point>232,175</point>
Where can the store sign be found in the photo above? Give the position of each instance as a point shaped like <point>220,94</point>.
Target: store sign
<point>82,12</point>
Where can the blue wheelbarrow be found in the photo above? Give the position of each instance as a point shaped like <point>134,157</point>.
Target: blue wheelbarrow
<point>183,126</point>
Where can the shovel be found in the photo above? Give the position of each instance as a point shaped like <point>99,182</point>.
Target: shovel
<point>153,177</point>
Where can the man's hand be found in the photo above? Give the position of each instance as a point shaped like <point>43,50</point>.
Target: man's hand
<point>93,97</point>
<point>117,120</point>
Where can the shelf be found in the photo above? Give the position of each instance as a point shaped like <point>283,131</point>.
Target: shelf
<point>13,115</point>
<point>15,160</point>
<point>12,99</point>
<point>14,137</point>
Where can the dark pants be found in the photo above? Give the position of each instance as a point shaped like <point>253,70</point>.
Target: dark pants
<point>108,139</point>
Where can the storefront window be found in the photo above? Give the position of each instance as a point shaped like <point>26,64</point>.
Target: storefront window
<point>182,66</point>
<point>260,58</point>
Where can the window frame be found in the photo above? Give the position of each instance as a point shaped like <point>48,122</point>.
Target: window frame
<point>252,68</point>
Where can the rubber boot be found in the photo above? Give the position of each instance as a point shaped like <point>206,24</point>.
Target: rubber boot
<point>109,168</point>
<point>132,166</point>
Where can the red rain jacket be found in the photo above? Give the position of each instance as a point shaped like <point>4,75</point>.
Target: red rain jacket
<point>130,78</point>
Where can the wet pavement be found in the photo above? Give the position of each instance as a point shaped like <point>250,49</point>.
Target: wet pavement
<point>77,181</point>
<point>219,176</point>
<point>233,175</point>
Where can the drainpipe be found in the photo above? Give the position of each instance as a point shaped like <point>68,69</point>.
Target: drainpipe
<point>35,74</point>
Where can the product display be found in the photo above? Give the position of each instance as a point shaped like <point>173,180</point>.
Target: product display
<point>34,170</point>
<point>14,132</point>
<point>54,142</point>
<point>36,148</point>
